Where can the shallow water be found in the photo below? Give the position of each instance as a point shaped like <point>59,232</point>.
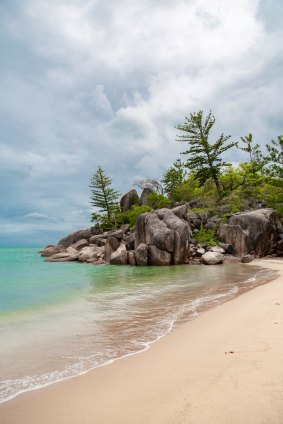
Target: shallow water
<point>58,320</point>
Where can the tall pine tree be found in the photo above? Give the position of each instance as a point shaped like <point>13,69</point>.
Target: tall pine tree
<point>204,157</point>
<point>103,196</point>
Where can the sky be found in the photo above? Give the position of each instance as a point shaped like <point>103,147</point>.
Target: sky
<point>88,83</point>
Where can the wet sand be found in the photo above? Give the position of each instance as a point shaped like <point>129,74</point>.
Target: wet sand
<point>223,367</point>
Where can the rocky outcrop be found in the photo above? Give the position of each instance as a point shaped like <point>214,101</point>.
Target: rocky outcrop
<point>52,250</point>
<point>74,237</point>
<point>167,233</point>
<point>254,232</point>
<point>128,200</point>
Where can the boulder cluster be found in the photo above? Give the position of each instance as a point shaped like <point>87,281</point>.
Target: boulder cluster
<point>165,237</point>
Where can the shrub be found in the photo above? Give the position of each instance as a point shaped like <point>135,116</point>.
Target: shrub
<point>158,201</point>
<point>207,237</point>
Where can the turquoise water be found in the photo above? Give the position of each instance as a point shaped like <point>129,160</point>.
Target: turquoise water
<point>58,320</point>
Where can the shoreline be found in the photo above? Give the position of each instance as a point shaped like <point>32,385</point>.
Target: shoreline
<point>145,387</point>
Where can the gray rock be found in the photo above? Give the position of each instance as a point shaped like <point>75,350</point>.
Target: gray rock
<point>128,200</point>
<point>216,249</point>
<point>181,211</point>
<point>253,231</point>
<point>118,234</point>
<point>130,241</point>
<point>158,234</point>
<point>96,239</point>
<point>74,237</point>
<point>111,246</point>
<point>200,251</point>
<point>120,256</point>
<point>212,258</point>
<point>141,254</point>
<point>246,259</point>
<point>52,250</point>
<point>132,258</point>
<point>158,257</point>
<point>61,257</point>
<point>90,253</point>
<point>144,197</point>
<point>182,234</point>
<point>79,244</point>
<point>228,248</point>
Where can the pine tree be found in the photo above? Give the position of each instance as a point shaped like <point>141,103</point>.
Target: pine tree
<point>103,196</point>
<point>174,177</point>
<point>204,158</point>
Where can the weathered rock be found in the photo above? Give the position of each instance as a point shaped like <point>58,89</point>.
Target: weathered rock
<point>228,248</point>
<point>216,249</point>
<point>128,200</point>
<point>140,229</point>
<point>111,246</point>
<point>61,257</point>
<point>80,244</point>
<point>279,247</point>
<point>200,251</point>
<point>182,234</point>
<point>141,254</point>
<point>158,234</point>
<point>251,232</point>
<point>212,258</point>
<point>132,258</point>
<point>246,259</point>
<point>120,256</point>
<point>101,242</point>
<point>72,252</point>
<point>144,196</point>
<point>118,234</point>
<point>74,237</point>
<point>51,250</point>
<point>130,241</point>
<point>158,257</point>
<point>96,238</point>
<point>90,253</point>
<point>181,211</point>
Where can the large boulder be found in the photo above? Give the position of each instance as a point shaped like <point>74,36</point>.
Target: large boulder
<point>120,256</point>
<point>252,232</point>
<point>62,257</point>
<point>212,258</point>
<point>167,232</point>
<point>141,254</point>
<point>111,246</point>
<point>52,250</point>
<point>144,197</point>
<point>74,237</point>
<point>158,257</point>
<point>91,254</point>
<point>128,200</point>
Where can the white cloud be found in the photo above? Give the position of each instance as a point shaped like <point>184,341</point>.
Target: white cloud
<point>90,83</point>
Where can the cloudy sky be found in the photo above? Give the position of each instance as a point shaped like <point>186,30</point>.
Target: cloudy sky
<point>91,82</point>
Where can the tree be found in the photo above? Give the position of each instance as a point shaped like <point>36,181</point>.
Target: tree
<point>204,158</point>
<point>151,184</point>
<point>275,150</point>
<point>103,196</point>
<point>256,160</point>
<point>174,177</point>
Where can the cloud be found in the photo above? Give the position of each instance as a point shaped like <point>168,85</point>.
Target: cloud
<point>87,83</point>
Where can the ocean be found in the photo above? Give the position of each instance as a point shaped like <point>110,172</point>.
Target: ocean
<point>59,320</point>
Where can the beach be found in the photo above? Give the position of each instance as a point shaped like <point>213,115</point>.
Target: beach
<point>223,367</point>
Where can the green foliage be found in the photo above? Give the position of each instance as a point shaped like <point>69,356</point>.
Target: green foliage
<point>275,158</point>
<point>174,177</point>
<point>158,201</point>
<point>204,157</point>
<point>131,216</point>
<point>104,197</point>
<point>256,160</point>
<point>206,237</point>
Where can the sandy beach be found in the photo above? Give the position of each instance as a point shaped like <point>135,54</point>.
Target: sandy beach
<point>223,367</point>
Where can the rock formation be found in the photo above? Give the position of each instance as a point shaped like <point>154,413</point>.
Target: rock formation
<point>253,232</point>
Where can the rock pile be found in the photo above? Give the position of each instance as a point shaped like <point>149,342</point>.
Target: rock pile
<point>164,237</point>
